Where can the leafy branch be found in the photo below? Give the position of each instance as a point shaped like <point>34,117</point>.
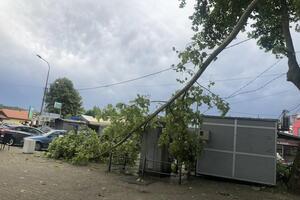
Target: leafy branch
<point>237,28</point>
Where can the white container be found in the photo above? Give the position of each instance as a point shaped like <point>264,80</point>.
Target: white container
<point>28,146</point>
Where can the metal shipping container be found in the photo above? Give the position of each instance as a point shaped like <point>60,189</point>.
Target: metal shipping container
<point>240,148</point>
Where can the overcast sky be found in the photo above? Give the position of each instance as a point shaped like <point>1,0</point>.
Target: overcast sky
<point>101,42</point>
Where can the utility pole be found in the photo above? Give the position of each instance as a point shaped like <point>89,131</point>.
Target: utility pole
<point>45,90</point>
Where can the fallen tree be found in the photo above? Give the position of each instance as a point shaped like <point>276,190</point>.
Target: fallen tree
<point>237,28</point>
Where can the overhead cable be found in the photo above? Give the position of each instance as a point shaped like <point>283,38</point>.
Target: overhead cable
<point>254,90</point>
<point>125,81</point>
<point>241,88</point>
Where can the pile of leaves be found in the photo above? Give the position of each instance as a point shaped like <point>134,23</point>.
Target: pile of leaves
<point>87,146</point>
<point>78,148</point>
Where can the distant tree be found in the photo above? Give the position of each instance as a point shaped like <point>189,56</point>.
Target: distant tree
<point>95,112</point>
<point>62,91</point>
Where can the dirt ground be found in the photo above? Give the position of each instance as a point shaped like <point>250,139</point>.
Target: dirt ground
<point>33,177</point>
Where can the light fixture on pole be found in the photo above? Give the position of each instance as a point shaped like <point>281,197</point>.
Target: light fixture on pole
<point>45,90</point>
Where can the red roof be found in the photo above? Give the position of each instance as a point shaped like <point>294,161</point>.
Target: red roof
<point>14,114</point>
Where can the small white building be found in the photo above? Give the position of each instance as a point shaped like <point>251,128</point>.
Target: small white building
<point>46,118</point>
<point>93,123</point>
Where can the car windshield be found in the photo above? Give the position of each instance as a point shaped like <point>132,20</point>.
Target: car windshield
<point>4,126</point>
<point>45,129</point>
<point>52,132</point>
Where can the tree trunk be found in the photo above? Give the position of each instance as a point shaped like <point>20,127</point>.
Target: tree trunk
<point>237,28</point>
<point>293,75</point>
<point>294,181</point>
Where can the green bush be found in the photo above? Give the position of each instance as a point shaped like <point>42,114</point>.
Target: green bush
<point>128,151</point>
<point>78,148</point>
<point>87,146</point>
<point>283,172</point>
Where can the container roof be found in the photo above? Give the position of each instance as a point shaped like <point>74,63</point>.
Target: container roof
<point>242,118</point>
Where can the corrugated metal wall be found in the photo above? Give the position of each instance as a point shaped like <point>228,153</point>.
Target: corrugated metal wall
<point>240,148</point>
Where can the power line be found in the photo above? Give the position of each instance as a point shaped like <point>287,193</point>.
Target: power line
<point>155,73</point>
<point>130,80</point>
<point>297,110</point>
<point>126,81</point>
<point>152,74</point>
<point>236,102</point>
<point>274,64</point>
<point>158,72</point>
<point>294,108</point>
<point>260,97</point>
<point>243,78</point>
<point>218,80</point>
<point>230,46</point>
<point>261,87</point>
<point>208,90</point>
<point>157,85</point>
<point>205,88</point>
<point>238,43</point>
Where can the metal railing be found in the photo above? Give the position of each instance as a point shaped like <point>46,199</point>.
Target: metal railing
<point>144,166</point>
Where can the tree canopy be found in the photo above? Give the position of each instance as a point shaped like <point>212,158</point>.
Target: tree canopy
<point>95,112</point>
<point>269,23</point>
<point>62,91</point>
<point>123,118</point>
<point>183,121</point>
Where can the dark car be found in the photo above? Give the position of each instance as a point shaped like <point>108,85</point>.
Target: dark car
<point>18,133</point>
<point>43,141</point>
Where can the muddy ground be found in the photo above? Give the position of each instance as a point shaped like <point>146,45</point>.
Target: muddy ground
<point>33,177</point>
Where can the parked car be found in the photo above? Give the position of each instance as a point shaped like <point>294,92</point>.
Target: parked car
<point>45,129</point>
<point>18,133</point>
<point>43,141</point>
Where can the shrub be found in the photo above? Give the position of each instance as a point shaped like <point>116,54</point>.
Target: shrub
<point>283,172</point>
<point>78,148</point>
<point>124,118</point>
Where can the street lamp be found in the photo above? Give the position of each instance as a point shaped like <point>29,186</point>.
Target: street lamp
<point>42,106</point>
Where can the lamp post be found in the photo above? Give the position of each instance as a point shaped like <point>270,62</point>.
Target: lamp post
<point>42,106</point>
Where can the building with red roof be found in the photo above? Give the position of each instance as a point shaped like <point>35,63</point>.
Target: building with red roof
<point>14,116</point>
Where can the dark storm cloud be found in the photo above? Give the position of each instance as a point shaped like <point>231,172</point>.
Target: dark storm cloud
<point>99,42</point>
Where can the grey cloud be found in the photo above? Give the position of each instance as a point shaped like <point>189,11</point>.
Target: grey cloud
<point>98,42</point>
